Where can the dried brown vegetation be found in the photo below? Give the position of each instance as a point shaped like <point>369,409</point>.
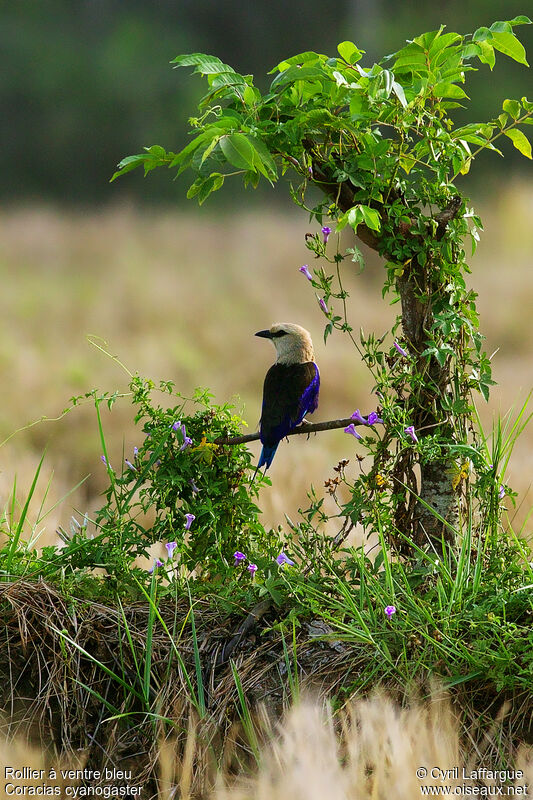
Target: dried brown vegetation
<point>62,659</point>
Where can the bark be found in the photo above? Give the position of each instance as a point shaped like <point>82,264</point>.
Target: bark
<point>435,490</point>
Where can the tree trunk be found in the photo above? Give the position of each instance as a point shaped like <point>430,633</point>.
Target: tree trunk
<point>436,489</point>
<point>419,520</point>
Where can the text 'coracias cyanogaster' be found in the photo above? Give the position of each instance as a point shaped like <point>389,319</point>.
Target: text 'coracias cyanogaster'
<point>291,386</point>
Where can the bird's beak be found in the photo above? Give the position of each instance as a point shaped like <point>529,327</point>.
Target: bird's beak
<point>264,334</point>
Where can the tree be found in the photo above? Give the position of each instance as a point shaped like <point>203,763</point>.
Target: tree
<point>382,146</point>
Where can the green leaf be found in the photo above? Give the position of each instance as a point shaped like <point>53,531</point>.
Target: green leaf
<point>520,141</point>
<point>487,54</point>
<point>263,159</point>
<point>156,150</point>
<point>202,187</point>
<point>360,214</point>
<point>471,50</point>
<point>205,65</point>
<point>502,120</point>
<point>371,218</point>
<point>300,58</point>
<point>209,149</point>
<point>449,90</point>
<point>296,73</point>
<point>411,59</point>
<point>442,42</point>
<point>481,34</point>
<point>397,88</point>
<point>520,20</point>
<point>508,44</point>
<point>512,107</point>
<point>224,84</point>
<point>155,156</point>
<point>426,40</point>
<point>238,150</point>
<point>349,52</point>
<point>359,105</point>
<point>185,156</point>
<point>407,163</point>
<point>251,95</point>
<point>127,164</point>
<point>228,120</point>
<point>501,27</point>
<point>352,217</point>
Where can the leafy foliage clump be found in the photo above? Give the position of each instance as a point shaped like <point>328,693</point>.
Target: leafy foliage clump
<point>179,487</point>
<point>196,490</point>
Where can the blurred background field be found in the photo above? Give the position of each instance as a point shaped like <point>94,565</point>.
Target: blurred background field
<point>178,295</point>
<point>177,292</point>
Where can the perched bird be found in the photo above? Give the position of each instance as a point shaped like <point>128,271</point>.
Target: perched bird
<point>291,386</point>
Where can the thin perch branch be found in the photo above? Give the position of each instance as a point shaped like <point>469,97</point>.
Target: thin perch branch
<point>304,427</point>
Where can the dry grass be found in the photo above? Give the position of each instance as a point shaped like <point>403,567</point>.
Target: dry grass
<point>372,750</point>
<point>375,756</point>
<point>60,656</point>
<point>178,295</point>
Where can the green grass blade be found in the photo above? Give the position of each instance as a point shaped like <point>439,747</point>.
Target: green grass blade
<point>16,536</point>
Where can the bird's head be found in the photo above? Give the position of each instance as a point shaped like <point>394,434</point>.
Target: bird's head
<point>292,342</point>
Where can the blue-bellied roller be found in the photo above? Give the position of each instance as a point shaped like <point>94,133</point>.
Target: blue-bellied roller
<point>291,386</point>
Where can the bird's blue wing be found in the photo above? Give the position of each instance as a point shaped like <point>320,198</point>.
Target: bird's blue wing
<point>309,401</point>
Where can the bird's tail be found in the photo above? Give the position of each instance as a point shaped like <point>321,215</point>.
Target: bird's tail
<point>265,459</point>
<point>267,455</point>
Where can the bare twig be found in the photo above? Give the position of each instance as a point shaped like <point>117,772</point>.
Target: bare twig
<point>304,427</point>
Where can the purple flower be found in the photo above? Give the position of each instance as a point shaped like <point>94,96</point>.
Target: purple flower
<point>130,465</point>
<point>176,425</point>
<point>252,568</point>
<point>373,418</point>
<point>186,443</point>
<point>135,452</point>
<point>351,429</point>
<point>171,546</point>
<point>157,563</point>
<point>104,459</point>
<point>238,556</point>
<point>190,519</point>
<point>411,432</point>
<point>322,304</point>
<point>501,493</point>
<point>358,417</point>
<point>305,271</point>
<point>400,349</point>
<point>283,559</point>
<point>325,233</point>
<point>194,487</point>
<point>310,171</point>
<point>390,610</point>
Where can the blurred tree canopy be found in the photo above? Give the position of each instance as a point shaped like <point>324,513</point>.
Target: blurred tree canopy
<point>85,83</point>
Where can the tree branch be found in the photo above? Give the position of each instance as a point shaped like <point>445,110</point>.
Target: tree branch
<point>304,427</point>
<point>446,216</point>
